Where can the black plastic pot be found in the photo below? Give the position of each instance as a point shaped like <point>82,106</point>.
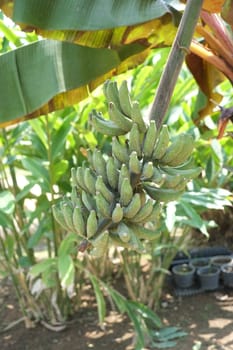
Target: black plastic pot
<point>199,262</point>
<point>227,275</point>
<point>221,260</point>
<point>209,277</point>
<point>183,275</point>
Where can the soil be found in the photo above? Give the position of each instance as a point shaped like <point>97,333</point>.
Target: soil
<point>207,318</point>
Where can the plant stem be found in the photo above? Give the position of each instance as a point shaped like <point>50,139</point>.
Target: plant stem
<point>175,60</point>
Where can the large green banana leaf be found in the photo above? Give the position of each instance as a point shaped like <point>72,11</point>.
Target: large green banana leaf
<point>87,14</point>
<point>49,75</point>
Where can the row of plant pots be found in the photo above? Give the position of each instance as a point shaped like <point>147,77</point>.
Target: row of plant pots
<point>208,273</point>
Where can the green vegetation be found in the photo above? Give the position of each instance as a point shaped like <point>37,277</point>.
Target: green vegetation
<point>63,180</point>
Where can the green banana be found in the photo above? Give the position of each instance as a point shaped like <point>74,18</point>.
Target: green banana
<point>133,207</point>
<point>67,212</point>
<point>162,194</point>
<point>89,181</point>
<point>158,177</point>
<point>135,140</point>
<point>144,233</point>
<point>78,221</point>
<point>120,151</point>
<point>126,192</point>
<point>105,127</point>
<point>92,224</point>
<point>143,197</point>
<point>184,173</point>
<point>80,178</point>
<point>111,93</point>
<point>134,163</point>
<point>87,200</point>
<point>100,244</point>
<point>125,100</point>
<point>119,118</point>
<point>74,177</point>
<point>185,152</point>
<point>147,170</point>
<point>155,214</point>
<point>99,164</point>
<point>171,181</point>
<point>117,213</point>
<point>103,208</point>
<point>144,212</point>
<point>59,216</point>
<point>112,173</point>
<point>150,140</point>
<point>101,187</point>
<point>175,147</point>
<point>137,117</point>
<point>124,173</point>
<point>161,144</point>
<point>124,233</point>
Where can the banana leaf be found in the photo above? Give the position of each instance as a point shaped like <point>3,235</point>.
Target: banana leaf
<point>48,75</point>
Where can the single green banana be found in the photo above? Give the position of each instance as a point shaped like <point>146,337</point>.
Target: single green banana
<point>161,144</point>
<point>155,214</point>
<point>162,194</point>
<point>179,151</point>
<point>111,93</point>
<point>126,192</point>
<point>125,100</point>
<point>150,140</point>
<point>144,212</point>
<point>67,212</point>
<point>112,173</point>
<point>105,127</point>
<point>144,233</point>
<point>133,207</point>
<point>137,117</point>
<point>175,147</point>
<point>99,164</point>
<point>119,118</point>
<point>158,177</point>
<point>117,213</point>
<point>185,152</point>
<point>89,181</point>
<point>184,173</point>
<point>135,144</point>
<point>171,181</point>
<point>134,163</point>
<point>79,222</point>
<point>147,171</point>
<point>80,179</point>
<point>143,197</point>
<point>92,224</point>
<point>74,196</point>
<point>124,173</point>
<point>100,245</point>
<point>101,187</point>
<point>88,200</point>
<point>73,177</point>
<point>103,208</point>
<point>120,151</point>
<point>59,216</point>
<point>124,233</point>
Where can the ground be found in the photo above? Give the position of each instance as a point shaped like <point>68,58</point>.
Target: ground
<point>207,318</point>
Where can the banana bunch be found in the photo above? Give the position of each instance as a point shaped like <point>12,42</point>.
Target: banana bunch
<point>115,196</point>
